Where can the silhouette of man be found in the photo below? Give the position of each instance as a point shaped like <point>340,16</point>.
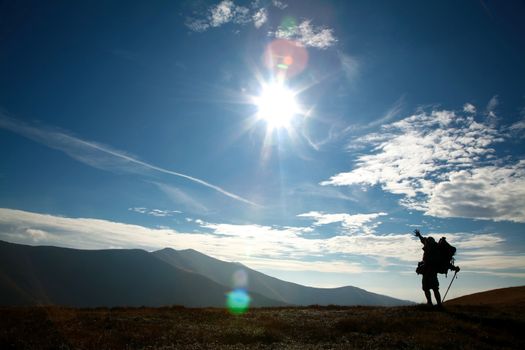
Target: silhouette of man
<point>429,268</point>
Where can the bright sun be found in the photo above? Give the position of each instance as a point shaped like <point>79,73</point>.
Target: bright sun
<point>276,106</point>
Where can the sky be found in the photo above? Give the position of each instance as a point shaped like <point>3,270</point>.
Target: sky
<point>306,140</point>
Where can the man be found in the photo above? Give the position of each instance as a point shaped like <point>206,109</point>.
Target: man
<point>429,268</point>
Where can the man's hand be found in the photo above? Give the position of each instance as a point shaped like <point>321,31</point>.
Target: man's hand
<point>417,233</point>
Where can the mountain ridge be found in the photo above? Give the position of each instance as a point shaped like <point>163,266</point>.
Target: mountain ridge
<point>133,277</point>
<point>91,278</point>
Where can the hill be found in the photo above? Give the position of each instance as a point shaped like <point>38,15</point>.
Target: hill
<point>273,288</point>
<point>131,277</point>
<point>513,296</point>
<point>89,278</point>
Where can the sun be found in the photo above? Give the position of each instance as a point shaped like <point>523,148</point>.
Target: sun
<point>276,105</point>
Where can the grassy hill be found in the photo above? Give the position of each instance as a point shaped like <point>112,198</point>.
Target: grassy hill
<point>514,296</point>
<point>405,327</point>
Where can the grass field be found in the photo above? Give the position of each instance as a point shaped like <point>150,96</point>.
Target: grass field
<point>411,327</point>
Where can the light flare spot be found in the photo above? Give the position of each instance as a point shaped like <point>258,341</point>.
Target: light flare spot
<point>240,279</point>
<point>238,301</point>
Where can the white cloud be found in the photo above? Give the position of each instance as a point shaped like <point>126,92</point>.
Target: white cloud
<point>491,108</point>
<point>493,103</point>
<point>469,108</point>
<point>197,25</point>
<point>258,246</point>
<point>227,11</point>
<point>37,235</point>
<point>495,192</point>
<point>358,223</point>
<point>154,212</point>
<point>443,164</point>
<point>279,4</point>
<point>260,17</point>
<point>222,13</point>
<point>518,126</point>
<point>308,35</point>
<point>305,33</point>
<point>97,155</point>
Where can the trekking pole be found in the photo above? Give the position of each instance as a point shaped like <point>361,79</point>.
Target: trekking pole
<point>453,278</point>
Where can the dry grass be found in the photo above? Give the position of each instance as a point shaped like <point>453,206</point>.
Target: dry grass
<point>414,327</point>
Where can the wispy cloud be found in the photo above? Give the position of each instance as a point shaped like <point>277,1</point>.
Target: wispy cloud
<point>357,223</point>
<point>305,33</point>
<point>98,155</point>
<point>349,65</point>
<point>154,212</point>
<point>227,11</point>
<point>310,190</point>
<point>491,109</point>
<point>444,164</point>
<point>223,13</point>
<point>181,197</point>
<point>393,112</point>
<point>260,17</point>
<point>469,108</point>
<point>308,35</point>
<point>279,4</point>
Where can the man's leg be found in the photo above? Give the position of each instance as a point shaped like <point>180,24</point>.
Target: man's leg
<point>427,295</point>
<point>437,296</point>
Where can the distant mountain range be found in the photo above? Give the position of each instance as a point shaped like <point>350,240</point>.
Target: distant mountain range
<point>32,275</point>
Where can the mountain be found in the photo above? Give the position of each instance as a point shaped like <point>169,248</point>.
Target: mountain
<point>90,278</point>
<point>514,296</point>
<point>273,288</point>
<point>132,277</point>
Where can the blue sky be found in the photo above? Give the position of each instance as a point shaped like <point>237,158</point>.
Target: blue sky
<point>305,140</point>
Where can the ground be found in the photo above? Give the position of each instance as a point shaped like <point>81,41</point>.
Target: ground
<point>410,327</point>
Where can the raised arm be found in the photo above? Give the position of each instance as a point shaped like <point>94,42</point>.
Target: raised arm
<point>418,234</point>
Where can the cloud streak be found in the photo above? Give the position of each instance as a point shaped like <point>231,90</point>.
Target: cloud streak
<point>154,212</point>
<point>97,155</point>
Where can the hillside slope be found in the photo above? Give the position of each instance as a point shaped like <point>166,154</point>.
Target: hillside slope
<point>273,288</point>
<point>89,278</point>
<point>503,296</point>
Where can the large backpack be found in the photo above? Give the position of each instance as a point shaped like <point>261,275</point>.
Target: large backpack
<point>445,256</point>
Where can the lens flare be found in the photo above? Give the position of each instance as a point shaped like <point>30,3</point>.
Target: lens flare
<point>238,301</point>
<point>240,279</point>
<point>285,58</point>
<point>288,25</point>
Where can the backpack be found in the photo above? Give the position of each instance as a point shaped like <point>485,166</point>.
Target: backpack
<point>445,256</point>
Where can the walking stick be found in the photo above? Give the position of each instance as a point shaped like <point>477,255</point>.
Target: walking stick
<point>453,278</point>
